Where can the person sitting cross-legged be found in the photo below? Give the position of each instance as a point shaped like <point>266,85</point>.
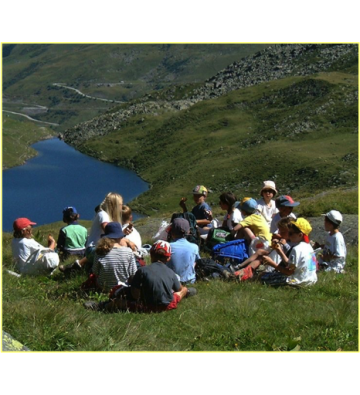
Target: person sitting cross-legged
<point>184,254</point>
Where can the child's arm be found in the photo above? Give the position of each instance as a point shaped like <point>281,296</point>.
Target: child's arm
<point>61,240</point>
<point>128,243</point>
<point>51,242</point>
<point>183,205</point>
<point>202,222</point>
<point>284,270</point>
<point>278,248</point>
<point>236,228</point>
<point>128,229</point>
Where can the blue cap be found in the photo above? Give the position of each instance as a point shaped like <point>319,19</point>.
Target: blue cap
<point>285,201</point>
<point>113,230</point>
<point>70,210</point>
<point>248,205</point>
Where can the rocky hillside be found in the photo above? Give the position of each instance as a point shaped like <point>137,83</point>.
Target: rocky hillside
<point>273,63</point>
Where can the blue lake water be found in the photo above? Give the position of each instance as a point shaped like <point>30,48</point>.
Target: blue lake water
<point>58,177</point>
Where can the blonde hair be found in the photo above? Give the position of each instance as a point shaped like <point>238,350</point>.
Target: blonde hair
<point>111,205</point>
<point>104,246</point>
<point>125,213</point>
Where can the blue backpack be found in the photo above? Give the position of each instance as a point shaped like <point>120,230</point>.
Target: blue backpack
<point>234,251</point>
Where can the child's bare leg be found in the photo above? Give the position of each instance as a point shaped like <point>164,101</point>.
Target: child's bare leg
<point>255,264</point>
<point>82,261</point>
<point>257,256</point>
<point>182,293</point>
<point>248,261</point>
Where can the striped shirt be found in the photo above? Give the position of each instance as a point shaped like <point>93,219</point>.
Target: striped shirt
<point>115,267</point>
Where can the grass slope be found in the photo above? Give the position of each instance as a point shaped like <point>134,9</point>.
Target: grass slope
<point>46,314</point>
<point>17,136</point>
<point>110,71</point>
<point>301,132</point>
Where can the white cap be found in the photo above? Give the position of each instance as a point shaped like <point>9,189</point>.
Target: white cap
<point>334,216</point>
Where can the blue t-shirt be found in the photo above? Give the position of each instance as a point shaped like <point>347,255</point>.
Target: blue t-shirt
<point>183,257</point>
<point>201,211</point>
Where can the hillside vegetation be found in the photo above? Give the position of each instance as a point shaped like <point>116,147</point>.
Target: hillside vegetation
<point>288,113</point>
<point>300,132</point>
<point>17,136</point>
<point>41,74</point>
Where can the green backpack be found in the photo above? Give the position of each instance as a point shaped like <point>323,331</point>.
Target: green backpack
<point>217,236</point>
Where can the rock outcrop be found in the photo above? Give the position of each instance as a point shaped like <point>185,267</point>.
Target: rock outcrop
<point>273,63</point>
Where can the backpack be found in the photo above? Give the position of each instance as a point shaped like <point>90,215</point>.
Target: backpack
<point>217,236</point>
<point>206,267</point>
<point>233,251</point>
<point>193,236</point>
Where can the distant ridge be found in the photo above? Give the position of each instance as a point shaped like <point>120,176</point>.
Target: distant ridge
<point>271,64</point>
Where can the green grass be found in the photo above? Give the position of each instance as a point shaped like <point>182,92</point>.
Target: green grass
<point>300,132</point>
<point>17,136</point>
<point>46,314</point>
<point>119,72</point>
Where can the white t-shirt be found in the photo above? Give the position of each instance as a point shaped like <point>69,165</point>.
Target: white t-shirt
<point>96,230</point>
<point>22,249</point>
<point>276,219</point>
<point>235,217</point>
<point>335,245</point>
<point>302,257</point>
<point>134,236</point>
<point>266,211</point>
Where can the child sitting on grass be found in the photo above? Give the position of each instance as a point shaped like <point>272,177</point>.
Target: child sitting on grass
<point>285,205</point>
<point>24,248</point>
<point>266,205</point>
<point>201,211</point>
<point>233,215</point>
<point>128,228</point>
<point>246,269</point>
<point>333,256</point>
<point>113,263</point>
<point>253,226</point>
<point>72,237</point>
<point>154,288</point>
<point>184,254</point>
<point>298,266</point>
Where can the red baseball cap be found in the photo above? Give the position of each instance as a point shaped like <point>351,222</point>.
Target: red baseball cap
<point>22,223</point>
<point>161,245</point>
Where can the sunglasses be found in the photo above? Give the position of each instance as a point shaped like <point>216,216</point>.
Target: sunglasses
<point>268,191</point>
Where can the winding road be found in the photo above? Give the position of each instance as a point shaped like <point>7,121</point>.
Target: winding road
<point>31,119</point>
<point>83,94</point>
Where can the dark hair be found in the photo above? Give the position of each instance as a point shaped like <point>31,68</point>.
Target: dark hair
<point>294,228</point>
<point>18,234</point>
<point>334,224</point>
<point>158,256</point>
<point>69,216</point>
<point>228,198</point>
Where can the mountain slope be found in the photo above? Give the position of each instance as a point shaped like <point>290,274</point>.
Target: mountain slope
<point>105,72</point>
<point>300,131</point>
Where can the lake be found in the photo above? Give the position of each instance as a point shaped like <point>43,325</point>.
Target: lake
<point>58,177</point>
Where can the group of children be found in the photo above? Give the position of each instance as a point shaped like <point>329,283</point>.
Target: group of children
<point>112,253</point>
